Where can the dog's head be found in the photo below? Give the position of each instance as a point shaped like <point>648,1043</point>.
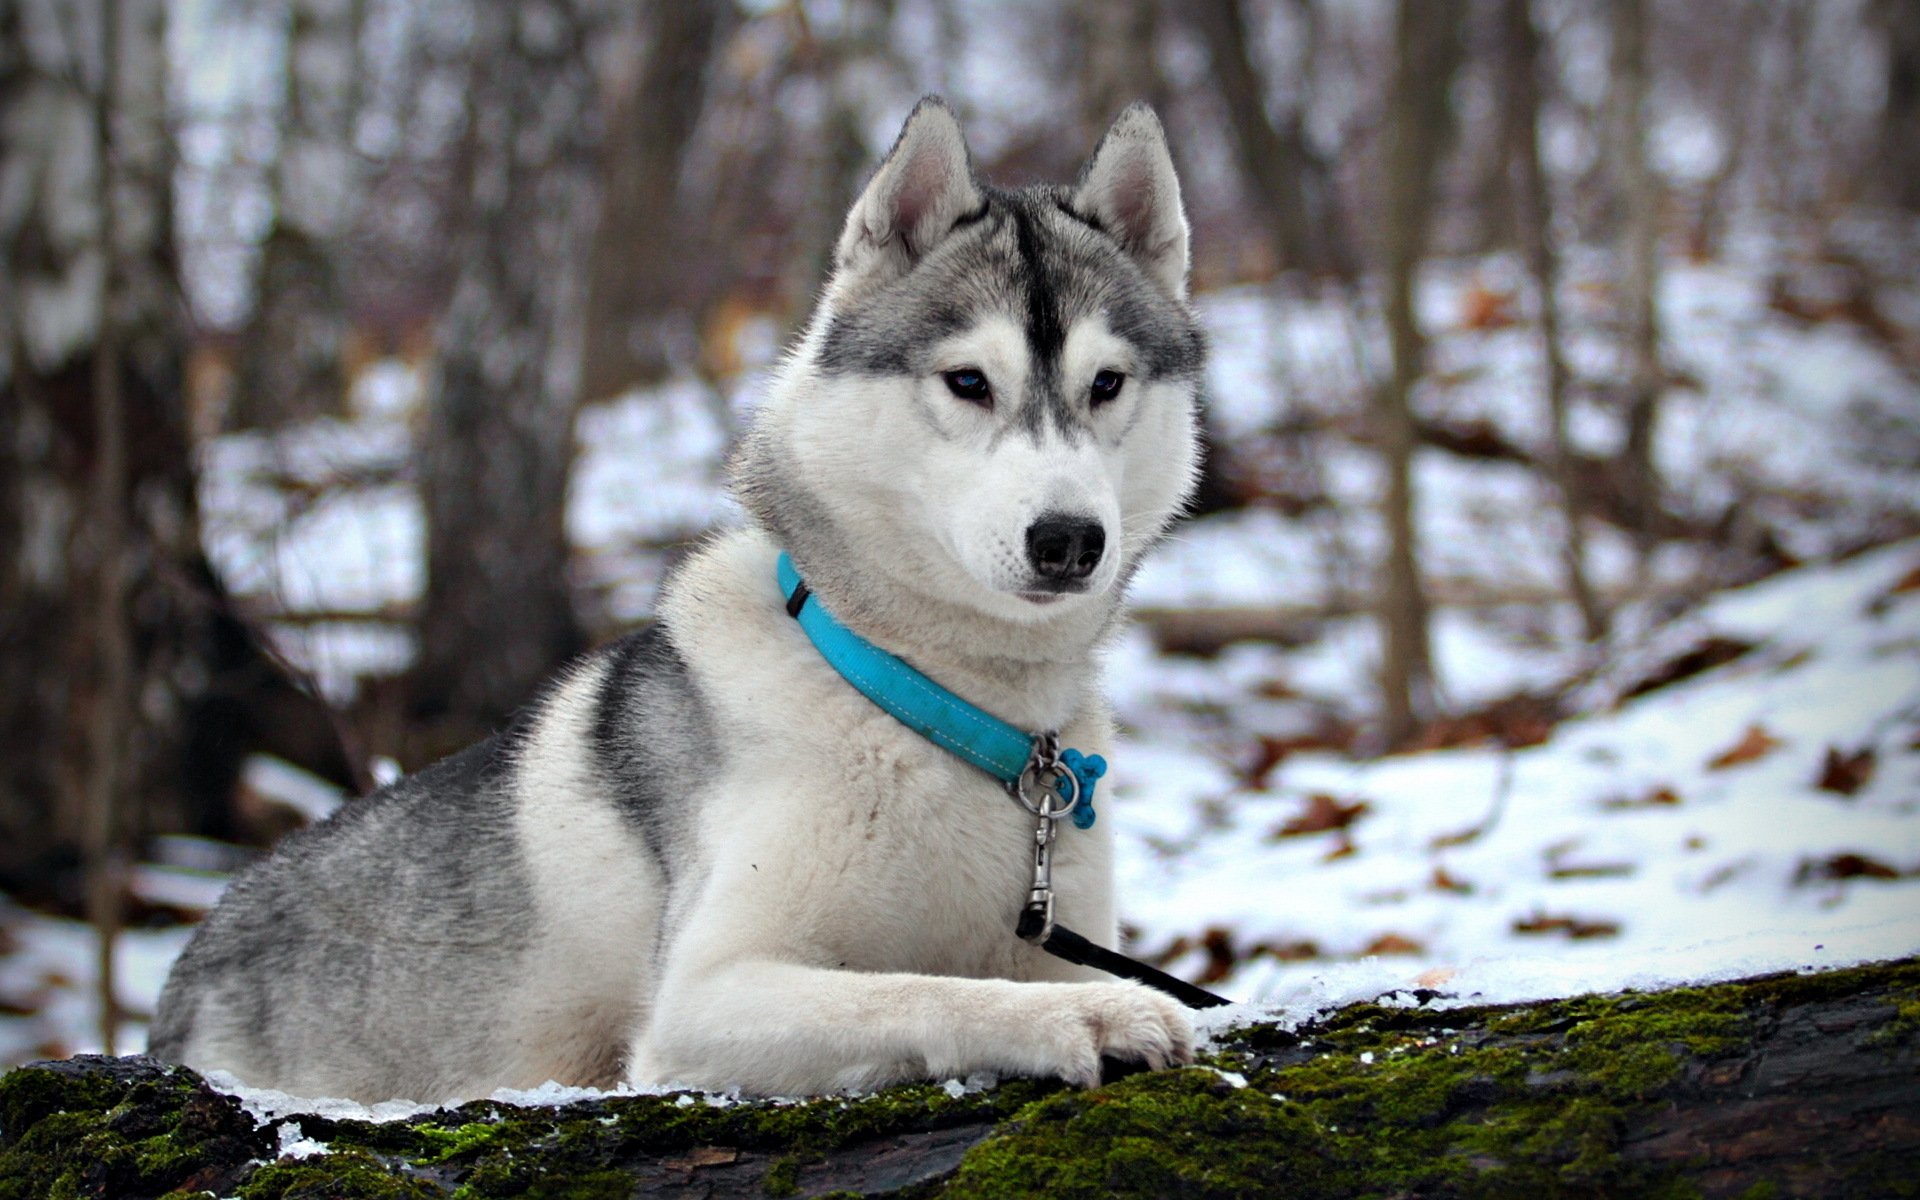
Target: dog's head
<point>994,403</point>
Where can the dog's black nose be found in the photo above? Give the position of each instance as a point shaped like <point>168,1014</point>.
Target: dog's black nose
<point>1065,548</point>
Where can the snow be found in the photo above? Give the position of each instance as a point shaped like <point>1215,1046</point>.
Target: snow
<point>1726,877</point>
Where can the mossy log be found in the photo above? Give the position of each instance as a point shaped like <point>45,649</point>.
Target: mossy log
<point>1787,1085</point>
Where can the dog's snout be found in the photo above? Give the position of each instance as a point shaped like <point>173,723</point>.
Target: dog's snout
<point>1065,548</point>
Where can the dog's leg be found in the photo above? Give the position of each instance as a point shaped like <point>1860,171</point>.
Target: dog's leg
<point>793,1029</point>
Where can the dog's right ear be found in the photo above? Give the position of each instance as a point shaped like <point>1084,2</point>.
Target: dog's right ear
<point>923,187</point>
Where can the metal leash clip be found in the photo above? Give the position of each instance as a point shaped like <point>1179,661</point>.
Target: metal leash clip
<point>1036,919</point>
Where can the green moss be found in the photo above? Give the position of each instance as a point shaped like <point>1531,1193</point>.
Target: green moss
<point>1904,1029</point>
<point>453,1143</point>
<point>783,1177</point>
<point>141,1130</point>
<point>347,1174</point>
<point>1182,1133</point>
<point>1376,1099</point>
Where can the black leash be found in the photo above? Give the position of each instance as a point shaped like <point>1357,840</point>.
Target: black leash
<point>1062,942</point>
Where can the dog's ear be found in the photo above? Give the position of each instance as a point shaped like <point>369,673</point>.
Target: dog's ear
<point>912,202</point>
<point>1129,187</point>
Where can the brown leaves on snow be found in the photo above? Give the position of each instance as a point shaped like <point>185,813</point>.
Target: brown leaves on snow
<point>1844,772</point>
<point>1575,928</point>
<point>1847,866</point>
<point>1324,813</point>
<point>1756,743</point>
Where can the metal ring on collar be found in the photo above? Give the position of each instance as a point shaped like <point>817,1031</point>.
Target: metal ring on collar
<point>1054,801</point>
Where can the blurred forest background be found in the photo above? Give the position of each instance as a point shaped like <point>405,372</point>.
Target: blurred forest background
<point>361,360</point>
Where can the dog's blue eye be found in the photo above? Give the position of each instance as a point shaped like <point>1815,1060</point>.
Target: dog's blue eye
<point>1106,385</point>
<point>969,384</point>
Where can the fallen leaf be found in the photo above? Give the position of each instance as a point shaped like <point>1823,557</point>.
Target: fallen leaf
<point>1324,812</point>
<point>1660,797</point>
<point>1460,838</point>
<point>1341,849</point>
<point>1443,881</point>
<point>1435,977</point>
<point>1571,927</point>
<point>1517,721</point>
<point>1300,951</point>
<point>1218,943</point>
<point>1393,943</point>
<point>1485,308</point>
<point>1846,773</point>
<point>1708,653</point>
<point>1599,870</point>
<point>1910,582</point>
<point>1845,866</point>
<point>1755,743</point>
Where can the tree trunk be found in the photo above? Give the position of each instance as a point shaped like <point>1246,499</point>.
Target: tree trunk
<point>291,365</point>
<point>641,251</point>
<point>1290,185</point>
<point>1898,159</point>
<point>129,692</point>
<point>1119,62</point>
<point>498,613</point>
<point>1639,269</point>
<point>1787,1086</point>
<point>1418,124</point>
<point>1533,218</point>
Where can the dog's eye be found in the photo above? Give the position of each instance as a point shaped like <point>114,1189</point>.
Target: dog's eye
<point>1106,385</point>
<point>969,385</point>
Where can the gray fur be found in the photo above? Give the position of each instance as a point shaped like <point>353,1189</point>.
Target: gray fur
<point>341,923</point>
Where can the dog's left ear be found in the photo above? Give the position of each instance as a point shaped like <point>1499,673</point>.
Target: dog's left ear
<point>1130,188</point>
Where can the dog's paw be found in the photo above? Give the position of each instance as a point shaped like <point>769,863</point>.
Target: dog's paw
<point>1125,1022</point>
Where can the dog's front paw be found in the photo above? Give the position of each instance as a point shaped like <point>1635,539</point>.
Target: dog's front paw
<point>1125,1022</point>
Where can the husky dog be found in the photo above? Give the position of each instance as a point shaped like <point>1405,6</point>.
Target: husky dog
<point>701,857</point>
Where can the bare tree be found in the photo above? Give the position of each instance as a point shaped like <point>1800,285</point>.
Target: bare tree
<point>1533,217</point>
<point>1899,143</point>
<point>641,244</point>
<point>128,690</point>
<point>498,613</point>
<point>1639,268</point>
<point>1417,126</point>
<point>290,358</point>
<point>1290,184</point>
<point>1119,63</point>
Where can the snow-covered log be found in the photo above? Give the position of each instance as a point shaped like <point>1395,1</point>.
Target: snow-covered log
<point>1786,1085</point>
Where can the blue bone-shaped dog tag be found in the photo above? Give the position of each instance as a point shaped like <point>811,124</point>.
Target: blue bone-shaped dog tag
<point>1086,768</point>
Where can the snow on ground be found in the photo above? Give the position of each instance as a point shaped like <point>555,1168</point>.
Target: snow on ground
<point>1681,834</point>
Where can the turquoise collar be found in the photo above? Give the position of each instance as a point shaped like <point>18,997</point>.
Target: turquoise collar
<point>1027,763</point>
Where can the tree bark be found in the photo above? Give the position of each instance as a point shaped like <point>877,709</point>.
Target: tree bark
<point>1290,184</point>
<point>498,614</point>
<point>1898,160</point>
<point>291,357</point>
<point>129,690</point>
<point>1119,61</point>
<point>641,250</point>
<point>1533,219</point>
<point>1418,124</point>
<point>1639,268</point>
<point>1785,1086</point>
